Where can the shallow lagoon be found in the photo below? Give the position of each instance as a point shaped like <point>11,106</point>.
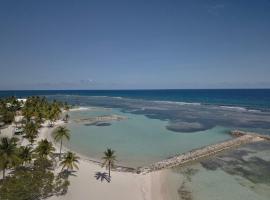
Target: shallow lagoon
<point>240,174</point>
<point>137,140</point>
<point>180,116</point>
<point>243,173</point>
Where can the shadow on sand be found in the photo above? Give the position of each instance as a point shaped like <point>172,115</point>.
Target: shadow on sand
<point>102,176</point>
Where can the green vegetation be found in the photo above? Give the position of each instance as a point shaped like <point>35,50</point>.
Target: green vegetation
<point>8,108</point>
<point>60,134</point>
<point>34,182</point>
<point>109,159</point>
<point>8,153</point>
<point>28,172</point>
<point>25,154</point>
<point>31,131</point>
<point>44,149</point>
<point>66,106</point>
<point>35,109</point>
<point>40,109</point>
<point>70,161</point>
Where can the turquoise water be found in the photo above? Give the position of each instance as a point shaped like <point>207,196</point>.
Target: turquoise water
<point>180,116</point>
<point>241,174</point>
<point>173,126</point>
<point>137,140</point>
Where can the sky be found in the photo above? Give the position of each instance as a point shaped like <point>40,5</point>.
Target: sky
<point>158,44</point>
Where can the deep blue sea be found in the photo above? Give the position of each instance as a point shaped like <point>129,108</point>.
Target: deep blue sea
<point>248,98</point>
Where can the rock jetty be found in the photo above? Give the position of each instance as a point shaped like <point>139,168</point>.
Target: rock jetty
<point>238,133</point>
<point>204,152</point>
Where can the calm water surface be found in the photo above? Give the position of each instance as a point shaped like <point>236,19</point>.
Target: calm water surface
<point>242,174</point>
<point>137,140</point>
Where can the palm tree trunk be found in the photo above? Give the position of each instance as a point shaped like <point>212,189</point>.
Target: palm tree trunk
<point>60,150</point>
<point>4,171</point>
<point>31,142</point>
<point>109,169</point>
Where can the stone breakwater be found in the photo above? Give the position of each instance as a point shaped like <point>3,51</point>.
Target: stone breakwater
<point>238,133</point>
<point>197,154</point>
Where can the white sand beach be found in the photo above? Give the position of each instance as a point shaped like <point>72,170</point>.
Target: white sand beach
<point>84,186</point>
<point>123,185</point>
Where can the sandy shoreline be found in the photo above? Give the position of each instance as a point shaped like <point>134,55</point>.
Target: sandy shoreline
<point>80,108</point>
<point>132,186</point>
<point>83,185</point>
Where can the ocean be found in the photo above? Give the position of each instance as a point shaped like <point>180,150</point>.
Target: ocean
<point>248,98</point>
<point>162,123</point>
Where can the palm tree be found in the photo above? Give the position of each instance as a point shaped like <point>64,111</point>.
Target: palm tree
<point>60,134</point>
<point>8,153</point>
<point>27,112</point>
<point>56,110</point>
<point>66,117</point>
<point>70,161</point>
<point>109,159</point>
<point>25,154</point>
<point>66,106</point>
<point>53,113</point>
<point>44,149</point>
<point>31,131</point>
<point>51,117</point>
<point>39,118</point>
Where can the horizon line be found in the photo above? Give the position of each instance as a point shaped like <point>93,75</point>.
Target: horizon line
<point>6,90</point>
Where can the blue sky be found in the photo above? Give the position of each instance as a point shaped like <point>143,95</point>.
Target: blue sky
<point>134,44</point>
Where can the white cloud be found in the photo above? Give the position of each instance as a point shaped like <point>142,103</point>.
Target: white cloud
<point>215,9</point>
